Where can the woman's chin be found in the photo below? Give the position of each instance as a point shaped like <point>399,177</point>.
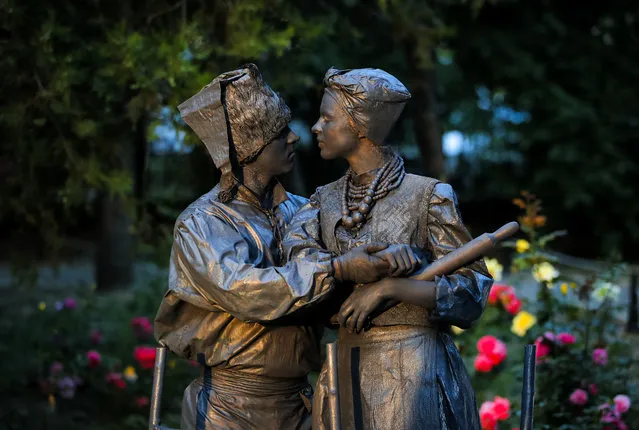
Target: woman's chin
<point>326,155</point>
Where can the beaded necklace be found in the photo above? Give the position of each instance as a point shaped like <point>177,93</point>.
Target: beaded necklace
<point>358,200</point>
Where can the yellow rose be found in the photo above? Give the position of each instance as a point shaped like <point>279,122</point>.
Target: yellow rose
<point>129,374</point>
<point>544,272</point>
<point>564,288</point>
<point>42,306</point>
<point>456,330</point>
<point>522,245</point>
<point>522,322</point>
<point>494,268</point>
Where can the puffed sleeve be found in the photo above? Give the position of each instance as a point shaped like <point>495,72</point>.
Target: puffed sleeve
<point>303,238</point>
<point>462,295</point>
<point>214,259</point>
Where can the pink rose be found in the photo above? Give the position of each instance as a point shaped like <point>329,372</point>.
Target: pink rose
<point>56,368</point>
<point>579,397</point>
<point>600,356</point>
<point>487,416</point>
<point>483,363</point>
<point>141,327</point>
<point>593,389</point>
<point>542,348</point>
<point>566,338</point>
<point>111,377</point>
<point>501,408</point>
<point>550,336</point>
<point>70,303</point>
<point>622,403</point>
<point>94,358</point>
<point>116,380</point>
<point>96,336</point>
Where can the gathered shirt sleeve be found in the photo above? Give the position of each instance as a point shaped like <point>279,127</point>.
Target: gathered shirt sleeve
<point>303,238</point>
<point>462,295</point>
<point>228,271</point>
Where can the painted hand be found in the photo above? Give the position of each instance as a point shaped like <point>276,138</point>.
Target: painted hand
<point>360,265</point>
<point>402,260</point>
<point>361,304</point>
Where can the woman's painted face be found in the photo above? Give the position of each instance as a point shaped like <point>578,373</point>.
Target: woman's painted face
<point>335,136</point>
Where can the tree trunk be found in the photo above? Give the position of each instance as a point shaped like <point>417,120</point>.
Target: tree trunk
<point>424,112</point>
<point>116,243</point>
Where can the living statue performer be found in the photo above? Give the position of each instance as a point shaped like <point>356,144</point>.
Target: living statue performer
<point>403,371</point>
<point>227,301</point>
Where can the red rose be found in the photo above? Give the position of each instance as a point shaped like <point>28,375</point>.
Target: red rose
<point>483,363</point>
<point>513,306</point>
<point>145,355</point>
<point>486,344</point>
<point>142,401</point>
<point>493,348</point>
<point>499,353</point>
<point>487,416</point>
<point>497,291</point>
<point>501,408</point>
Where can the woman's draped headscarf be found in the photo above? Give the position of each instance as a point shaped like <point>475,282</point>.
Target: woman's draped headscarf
<point>372,98</point>
<point>236,116</point>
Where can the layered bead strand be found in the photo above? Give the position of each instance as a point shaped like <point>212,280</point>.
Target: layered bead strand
<point>358,200</point>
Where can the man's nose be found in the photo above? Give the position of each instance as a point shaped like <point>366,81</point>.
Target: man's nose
<point>316,128</point>
<point>292,138</point>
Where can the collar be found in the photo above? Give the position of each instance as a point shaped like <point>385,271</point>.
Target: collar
<point>246,195</point>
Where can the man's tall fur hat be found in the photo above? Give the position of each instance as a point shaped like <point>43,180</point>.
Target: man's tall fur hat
<point>237,113</point>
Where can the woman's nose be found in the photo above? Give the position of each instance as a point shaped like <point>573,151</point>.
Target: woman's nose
<point>316,128</point>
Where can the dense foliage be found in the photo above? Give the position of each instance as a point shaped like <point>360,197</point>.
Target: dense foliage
<point>544,94</point>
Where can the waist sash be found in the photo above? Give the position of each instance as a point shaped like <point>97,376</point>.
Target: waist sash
<point>226,381</point>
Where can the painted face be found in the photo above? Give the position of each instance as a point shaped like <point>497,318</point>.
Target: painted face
<point>335,136</point>
<point>278,156</point>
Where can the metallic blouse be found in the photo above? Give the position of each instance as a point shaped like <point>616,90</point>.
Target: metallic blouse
<point>423,213</point>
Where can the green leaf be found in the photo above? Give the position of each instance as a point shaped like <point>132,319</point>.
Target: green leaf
<point>85,128</point>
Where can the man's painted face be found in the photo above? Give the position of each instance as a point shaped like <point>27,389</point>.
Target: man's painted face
<point>335,136</point>
<point>278,156</point>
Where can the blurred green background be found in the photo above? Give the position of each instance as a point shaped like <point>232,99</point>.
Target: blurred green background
<point>508,95</point>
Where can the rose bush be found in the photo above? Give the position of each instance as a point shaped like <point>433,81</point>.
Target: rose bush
<point>87,363</point>
<point>585,375</point>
